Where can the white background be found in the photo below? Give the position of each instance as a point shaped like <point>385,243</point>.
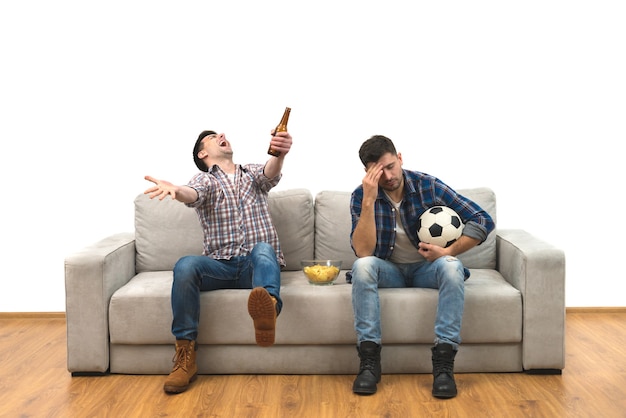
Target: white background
<point>527,98</point>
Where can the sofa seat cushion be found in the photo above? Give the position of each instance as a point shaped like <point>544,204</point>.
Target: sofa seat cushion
<point>140,312</point>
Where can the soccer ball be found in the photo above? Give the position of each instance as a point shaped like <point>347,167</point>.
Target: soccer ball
<point>439,225</point>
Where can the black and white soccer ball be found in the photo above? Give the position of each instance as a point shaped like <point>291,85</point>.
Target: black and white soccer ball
<point>439,225</point>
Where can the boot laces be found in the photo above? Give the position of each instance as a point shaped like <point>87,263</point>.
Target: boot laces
<point>368,363</point>
<point>443,365</point>
<point>181,358</point>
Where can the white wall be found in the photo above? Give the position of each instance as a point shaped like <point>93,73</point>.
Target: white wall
<point>524,97</point>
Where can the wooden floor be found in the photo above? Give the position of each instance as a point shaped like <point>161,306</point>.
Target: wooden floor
<point>34,382</point>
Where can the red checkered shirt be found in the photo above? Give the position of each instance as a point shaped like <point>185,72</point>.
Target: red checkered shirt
<point>234,215</point>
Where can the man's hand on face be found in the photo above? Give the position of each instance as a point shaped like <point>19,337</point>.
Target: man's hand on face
<point>370,181</point>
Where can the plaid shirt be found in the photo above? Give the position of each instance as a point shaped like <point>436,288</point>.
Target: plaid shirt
<point>235,216</point>
<point>421,191</point>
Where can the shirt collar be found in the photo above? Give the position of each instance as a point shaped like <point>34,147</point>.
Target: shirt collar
<point>215,168</point>
<point>409,186</point>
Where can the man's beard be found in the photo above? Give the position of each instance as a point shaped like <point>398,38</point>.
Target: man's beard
<point>392,186</point>
<point>227,151</point>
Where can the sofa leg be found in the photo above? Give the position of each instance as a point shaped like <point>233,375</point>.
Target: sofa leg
<point>544,371</point>
<point>81,374</point>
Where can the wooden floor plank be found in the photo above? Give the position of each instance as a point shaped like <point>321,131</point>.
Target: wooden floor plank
<point>34,382</point>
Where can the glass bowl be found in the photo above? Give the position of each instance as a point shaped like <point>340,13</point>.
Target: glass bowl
<point>321,272</point>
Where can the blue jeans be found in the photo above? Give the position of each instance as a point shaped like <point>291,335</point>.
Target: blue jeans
<point>446,274</point>
<point>196,273</point>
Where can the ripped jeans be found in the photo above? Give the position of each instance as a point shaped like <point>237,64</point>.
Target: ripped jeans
<point>446,274</point>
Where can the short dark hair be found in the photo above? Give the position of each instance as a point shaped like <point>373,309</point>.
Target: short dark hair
<point>197,147</point>
<point>374,148</point>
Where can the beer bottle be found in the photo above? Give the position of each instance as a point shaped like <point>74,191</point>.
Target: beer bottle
<point>282,127</point>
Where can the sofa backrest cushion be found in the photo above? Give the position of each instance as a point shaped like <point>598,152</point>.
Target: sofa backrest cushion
<point>292,214</point>
<point>164,232</point>
<point>333,225</point>
<point>482,256</point>
<point>168,230</point>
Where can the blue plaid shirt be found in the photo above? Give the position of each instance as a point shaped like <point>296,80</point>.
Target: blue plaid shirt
<point>421,192</point>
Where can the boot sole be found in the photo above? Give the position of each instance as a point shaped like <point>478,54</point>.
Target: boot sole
<point>179,389</point>
<point>263,312</point>
<point>444,395</point>
<point>364,392</point>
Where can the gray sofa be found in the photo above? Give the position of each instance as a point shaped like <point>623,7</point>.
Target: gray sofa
<point>119,316</point>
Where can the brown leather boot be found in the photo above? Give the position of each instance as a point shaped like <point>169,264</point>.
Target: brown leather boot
<point>262,309</point>
<point>185,369</point>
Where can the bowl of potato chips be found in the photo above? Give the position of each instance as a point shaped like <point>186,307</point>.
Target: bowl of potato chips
<point>321,272</point>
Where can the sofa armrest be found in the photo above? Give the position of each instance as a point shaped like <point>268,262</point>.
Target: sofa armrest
<point>92,275</point>
<point>537,270</point>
